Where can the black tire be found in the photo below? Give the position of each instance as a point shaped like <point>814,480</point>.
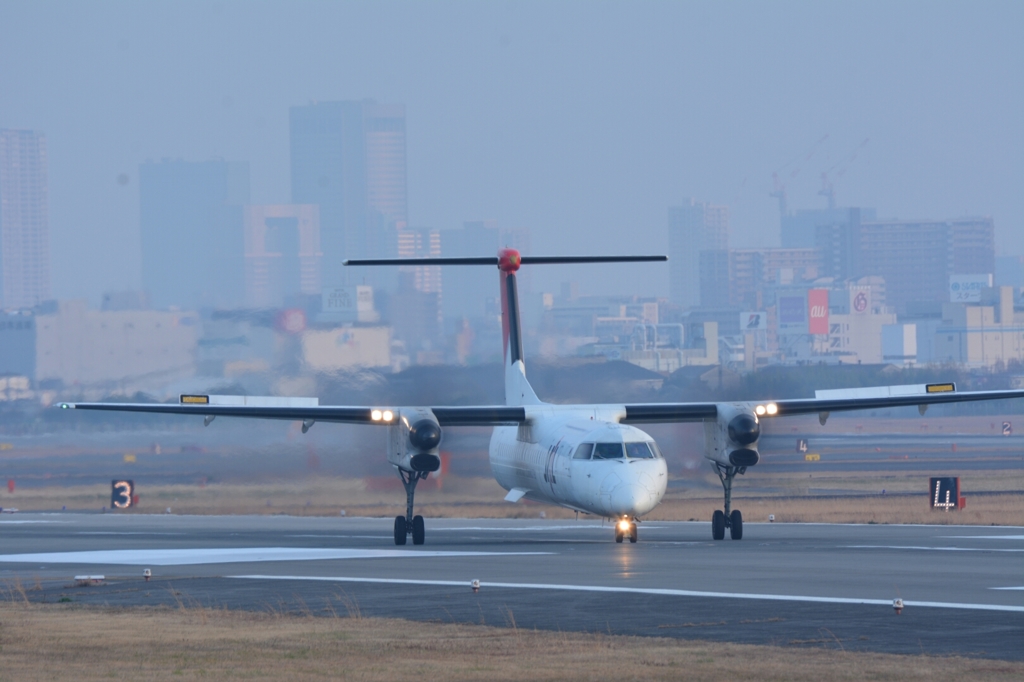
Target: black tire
<point>400,531</point>
<point>736,525</point>
<point>632,533</point>
<point>419,532</point>
<point>718,525</point>
<point>618,536</point>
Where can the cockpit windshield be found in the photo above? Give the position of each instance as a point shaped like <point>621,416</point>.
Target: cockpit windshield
<point>608,451</point>
<point>639,451</point>
<point>618,451</point>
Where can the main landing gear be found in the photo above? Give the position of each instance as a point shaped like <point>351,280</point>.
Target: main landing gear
<point>410,525</point>
<point>732,520</point>
<point>625,528</point>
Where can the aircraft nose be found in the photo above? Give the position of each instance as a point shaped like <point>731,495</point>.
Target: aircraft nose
<point>631,499</point>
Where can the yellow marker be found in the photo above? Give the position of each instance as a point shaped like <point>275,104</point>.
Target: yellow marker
<point>812,458</point>
<point>6,446</point>
<point>940,388</point>
<point>195,399</point>
<point>129,457</point>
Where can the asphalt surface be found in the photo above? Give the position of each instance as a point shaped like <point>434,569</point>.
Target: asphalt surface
<point>783,584</point>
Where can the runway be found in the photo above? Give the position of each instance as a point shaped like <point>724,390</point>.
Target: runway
<point>784,584</point>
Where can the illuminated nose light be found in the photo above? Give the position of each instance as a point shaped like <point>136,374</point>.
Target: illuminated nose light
<point>772,408</point>
<point>376,415</point>
<point>624,525</point>
<point>387,415</point>
<point>760,410</point>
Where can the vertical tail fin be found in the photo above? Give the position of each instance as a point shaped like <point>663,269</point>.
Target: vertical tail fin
<point>517,389</point>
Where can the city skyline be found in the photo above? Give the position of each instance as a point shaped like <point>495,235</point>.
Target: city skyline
<point>582,131</point>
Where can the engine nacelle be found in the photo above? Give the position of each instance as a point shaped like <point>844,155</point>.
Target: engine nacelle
<point>414,440</point>
<point>731,440</point>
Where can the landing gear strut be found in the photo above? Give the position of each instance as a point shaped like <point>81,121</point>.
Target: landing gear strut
<point>730,518</point>
<point>410,525</point>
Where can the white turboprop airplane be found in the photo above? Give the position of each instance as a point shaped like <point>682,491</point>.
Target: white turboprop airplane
<point>589,458</point>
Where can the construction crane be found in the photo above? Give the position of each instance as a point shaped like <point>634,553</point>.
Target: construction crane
<point>797,162</point>
<point>827,188</point>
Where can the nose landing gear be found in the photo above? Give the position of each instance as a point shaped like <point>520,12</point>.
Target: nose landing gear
<point>626,528</point>
<point>730,518</point>
<point>410,525</point>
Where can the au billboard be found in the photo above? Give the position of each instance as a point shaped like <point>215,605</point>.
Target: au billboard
<point>817,311</point>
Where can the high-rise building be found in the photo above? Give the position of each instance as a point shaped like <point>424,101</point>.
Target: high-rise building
<point>916,257</point>
<point>692,228</point>
<point>739,277</point>
<point>349,159</point>
<point>193,243</point>
<point>24,219</point>
<point>472,291</point>
<point>799,228</point>
<point>282,253</point>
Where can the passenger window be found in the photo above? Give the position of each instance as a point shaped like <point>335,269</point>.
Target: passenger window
<point>639,451</point>
<point>583,451</point>
<point>608,451</point>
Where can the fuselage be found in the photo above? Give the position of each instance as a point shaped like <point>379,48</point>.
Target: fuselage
<point>573,458</point>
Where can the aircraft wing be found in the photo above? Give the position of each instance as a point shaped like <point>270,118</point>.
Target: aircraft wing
<point>933,394</point>
<point>476,415</point>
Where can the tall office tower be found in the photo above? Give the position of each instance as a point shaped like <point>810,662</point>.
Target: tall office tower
<point>799,228</point>
<point>282,253</point>
<point>739,277</point>
<point>349,158</point>
<point>916,257</point>
<point>193,241</point>
<point>692,228</point>
<point>472,291</point>
<point>24,220</point>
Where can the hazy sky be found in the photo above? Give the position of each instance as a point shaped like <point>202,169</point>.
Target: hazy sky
<point>582,121</point>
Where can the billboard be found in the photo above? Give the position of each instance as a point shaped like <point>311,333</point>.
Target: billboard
<point>967,288</point>
<point>791,310</point>
<point>817,311</point>
<point>755,321</point>
<point>860,300</point>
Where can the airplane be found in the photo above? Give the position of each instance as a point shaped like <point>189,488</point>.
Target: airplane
<point>588,458</point>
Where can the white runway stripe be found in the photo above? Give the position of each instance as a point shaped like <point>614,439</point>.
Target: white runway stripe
<point>935,549</point>
<point>640,590</point>
<point>186,557</point>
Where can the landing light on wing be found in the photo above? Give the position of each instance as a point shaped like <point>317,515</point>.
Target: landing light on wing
<point>382,415</point>
<point>771,409</point>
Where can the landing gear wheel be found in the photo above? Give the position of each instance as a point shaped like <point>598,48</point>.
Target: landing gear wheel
<point>618,536</point>
<point>718,525</point>
<point>736,525</point>
<point>400,530</point>
<point>418,531</point>
<point>632,532</point>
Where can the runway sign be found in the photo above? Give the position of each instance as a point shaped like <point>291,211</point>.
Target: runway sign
<point>812,458</point>
<point>122,493</point>
<point>945,493</point>
<point>1007,429</point>
<point>801,445</point>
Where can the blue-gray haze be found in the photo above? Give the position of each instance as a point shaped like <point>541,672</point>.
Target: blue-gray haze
<point>581,121</point>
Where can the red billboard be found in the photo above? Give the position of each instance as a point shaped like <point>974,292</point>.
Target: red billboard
<point>817,311</point>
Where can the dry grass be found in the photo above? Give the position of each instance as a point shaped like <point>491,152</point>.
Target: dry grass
<point>794,498</point>
<point>65,642</point>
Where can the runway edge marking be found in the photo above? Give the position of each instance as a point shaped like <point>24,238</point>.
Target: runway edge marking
<point>638,590</point>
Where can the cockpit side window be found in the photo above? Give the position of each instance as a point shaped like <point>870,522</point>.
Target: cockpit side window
<point>583,451</point>
<point>608,451</point>
<point>639,451</point>
<point>656,450</point>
